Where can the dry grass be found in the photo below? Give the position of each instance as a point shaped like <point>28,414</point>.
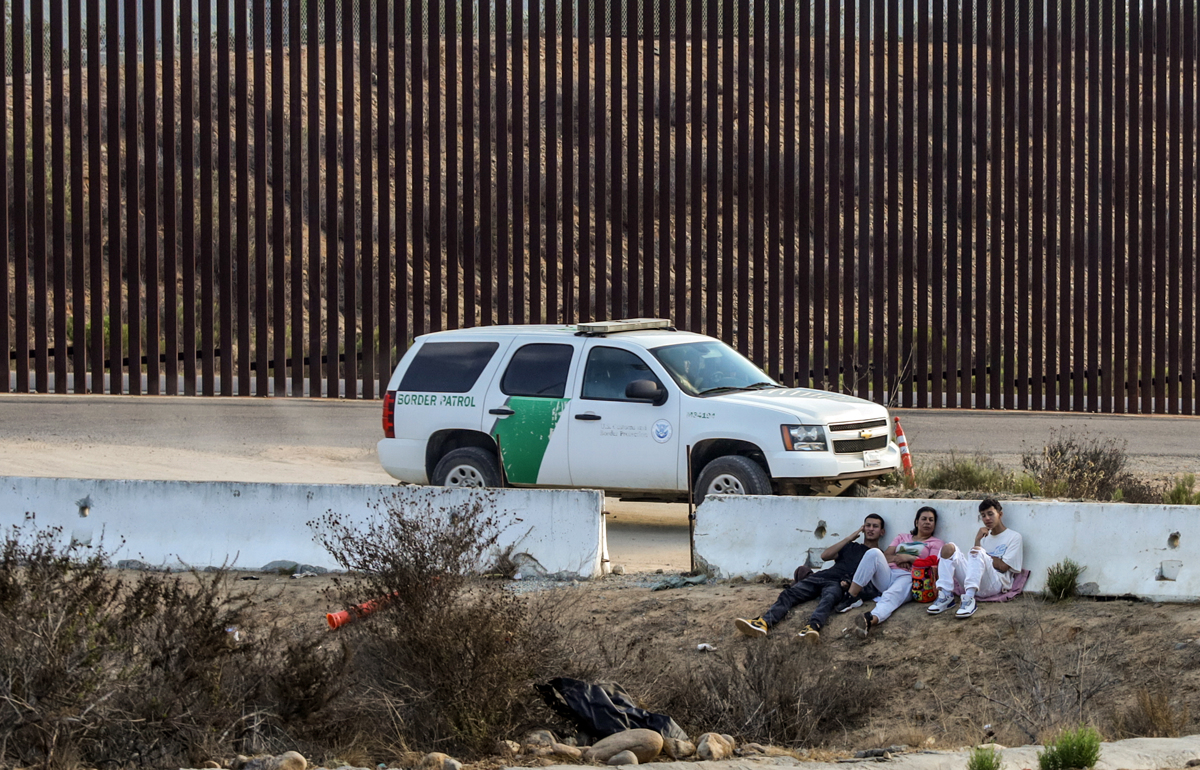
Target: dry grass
<point>158,670</point>
<point>1154,714</point>
<point>760,692</point>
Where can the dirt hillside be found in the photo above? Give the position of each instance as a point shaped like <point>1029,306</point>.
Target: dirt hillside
<point>1011,674</point>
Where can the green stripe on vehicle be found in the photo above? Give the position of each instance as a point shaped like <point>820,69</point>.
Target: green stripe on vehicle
<point>524,436</point>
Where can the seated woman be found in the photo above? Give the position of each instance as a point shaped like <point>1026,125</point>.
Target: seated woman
<point>890,571</point>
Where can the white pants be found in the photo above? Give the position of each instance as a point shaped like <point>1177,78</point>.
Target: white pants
<point>895,585</point>
<point>971,571</point>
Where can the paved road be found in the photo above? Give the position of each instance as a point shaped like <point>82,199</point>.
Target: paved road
<point>1156,445</point>
<point>306,441</point>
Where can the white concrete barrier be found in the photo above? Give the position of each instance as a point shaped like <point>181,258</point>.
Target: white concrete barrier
<point>246,525</point>
<point>1137,550</point>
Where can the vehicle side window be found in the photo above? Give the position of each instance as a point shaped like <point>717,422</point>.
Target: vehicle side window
<point>447,367</point>
<point>610,370</point>
<point>538,370</point>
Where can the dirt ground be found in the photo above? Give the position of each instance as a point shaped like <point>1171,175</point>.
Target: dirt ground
<point>949,683</point>
<point>1036,662</point>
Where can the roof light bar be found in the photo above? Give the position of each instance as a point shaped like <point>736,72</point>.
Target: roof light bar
<point>623,325</point>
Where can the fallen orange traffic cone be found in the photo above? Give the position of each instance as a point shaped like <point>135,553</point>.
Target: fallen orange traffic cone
<point>343,617</point>
<point>910,476</point>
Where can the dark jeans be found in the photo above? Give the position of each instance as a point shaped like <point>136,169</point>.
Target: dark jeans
<point>810,587</point>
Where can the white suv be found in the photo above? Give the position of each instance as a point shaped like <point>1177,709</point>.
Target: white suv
<point>632,407</point>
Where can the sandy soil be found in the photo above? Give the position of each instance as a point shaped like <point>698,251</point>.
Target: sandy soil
<point>947,681</point>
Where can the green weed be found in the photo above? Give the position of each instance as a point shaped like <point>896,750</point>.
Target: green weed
<point>974,473</point>
<point>984,758</point>
<point>1062,580</point>
<point>1183,493</point>
<point>1077,749</point>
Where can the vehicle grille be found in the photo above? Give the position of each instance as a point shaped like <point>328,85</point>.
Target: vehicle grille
<point>852,445</point>
<point>864,425</point>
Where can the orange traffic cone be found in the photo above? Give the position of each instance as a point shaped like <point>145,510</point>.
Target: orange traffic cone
<point>343,617</point>
<point>905,456</point>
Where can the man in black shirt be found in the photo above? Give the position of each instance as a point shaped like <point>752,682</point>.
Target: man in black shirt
<point>829,584</point>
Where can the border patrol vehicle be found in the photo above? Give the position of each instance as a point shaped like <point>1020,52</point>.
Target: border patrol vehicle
<point>633,407</point>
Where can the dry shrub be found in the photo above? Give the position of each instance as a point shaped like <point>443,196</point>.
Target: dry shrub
<point>1045,678</point>
<point>453,658</point>
<point>59,627</point>
<point>1137,490</point>
<point>1152,715</point>
<point>1078,465</point>
<point>458,679</point>
<point>770,693</point>
<point>975,473</point>
<point>94,666</point>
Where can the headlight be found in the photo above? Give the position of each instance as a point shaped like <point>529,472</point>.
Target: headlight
<point>804,438</point>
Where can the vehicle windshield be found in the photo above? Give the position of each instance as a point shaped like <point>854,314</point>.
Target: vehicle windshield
<point>710,368</point>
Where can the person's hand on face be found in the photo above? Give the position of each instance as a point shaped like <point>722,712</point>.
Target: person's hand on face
<point>990,519</point>
<point>983,532</point>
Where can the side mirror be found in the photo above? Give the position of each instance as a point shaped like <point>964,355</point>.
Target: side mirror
<point>647,391</point>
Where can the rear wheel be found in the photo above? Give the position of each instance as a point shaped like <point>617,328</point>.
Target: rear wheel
<point>469,467</point>
<point>732,475</point>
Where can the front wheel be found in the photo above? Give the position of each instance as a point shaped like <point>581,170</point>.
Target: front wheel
<point>469,467</point>
<point>732,475</point>
<point>858,489</point>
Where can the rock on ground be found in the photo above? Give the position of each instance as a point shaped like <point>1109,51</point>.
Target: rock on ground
<point>645,745</point>
<point>438,761</point>
<point>676,749</point>
<point>289,760</point>
<point>564,750</point>
<point>540,738</point>
<point>714,747</point>
<point>623,758</point>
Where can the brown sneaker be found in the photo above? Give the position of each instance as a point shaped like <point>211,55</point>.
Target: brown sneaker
<point>755,627</point>
<point>811,635</point>
<point>862,625</point>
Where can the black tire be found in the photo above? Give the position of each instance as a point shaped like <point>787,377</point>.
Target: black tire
<point>469,467</point>
<point>858,489</point>
<point>732,474</point>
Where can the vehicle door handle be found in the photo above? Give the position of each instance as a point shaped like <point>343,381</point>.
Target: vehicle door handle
<point>503,411</point>
<point>587,417</point>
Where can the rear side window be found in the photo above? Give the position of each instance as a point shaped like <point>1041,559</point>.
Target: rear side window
<point>610,370</point>
<point>447,367</point>
<point>538,370</point>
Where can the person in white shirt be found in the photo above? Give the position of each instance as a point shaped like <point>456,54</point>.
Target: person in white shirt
<point>986,570</point>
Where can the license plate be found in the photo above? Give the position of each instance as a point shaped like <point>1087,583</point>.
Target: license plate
<point>873,458</point>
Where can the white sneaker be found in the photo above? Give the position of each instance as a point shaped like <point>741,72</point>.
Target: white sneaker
<point>967,609</point>
<point>944,602</point>
<point>848,603</point>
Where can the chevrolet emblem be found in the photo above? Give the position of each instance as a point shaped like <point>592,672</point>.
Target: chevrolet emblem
<point>865,434</point>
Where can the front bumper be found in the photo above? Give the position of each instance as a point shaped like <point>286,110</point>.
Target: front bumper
<point>820,468</point>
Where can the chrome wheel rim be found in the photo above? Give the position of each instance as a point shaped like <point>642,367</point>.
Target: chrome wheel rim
<point>726,484</point>
<point>464,476</point>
